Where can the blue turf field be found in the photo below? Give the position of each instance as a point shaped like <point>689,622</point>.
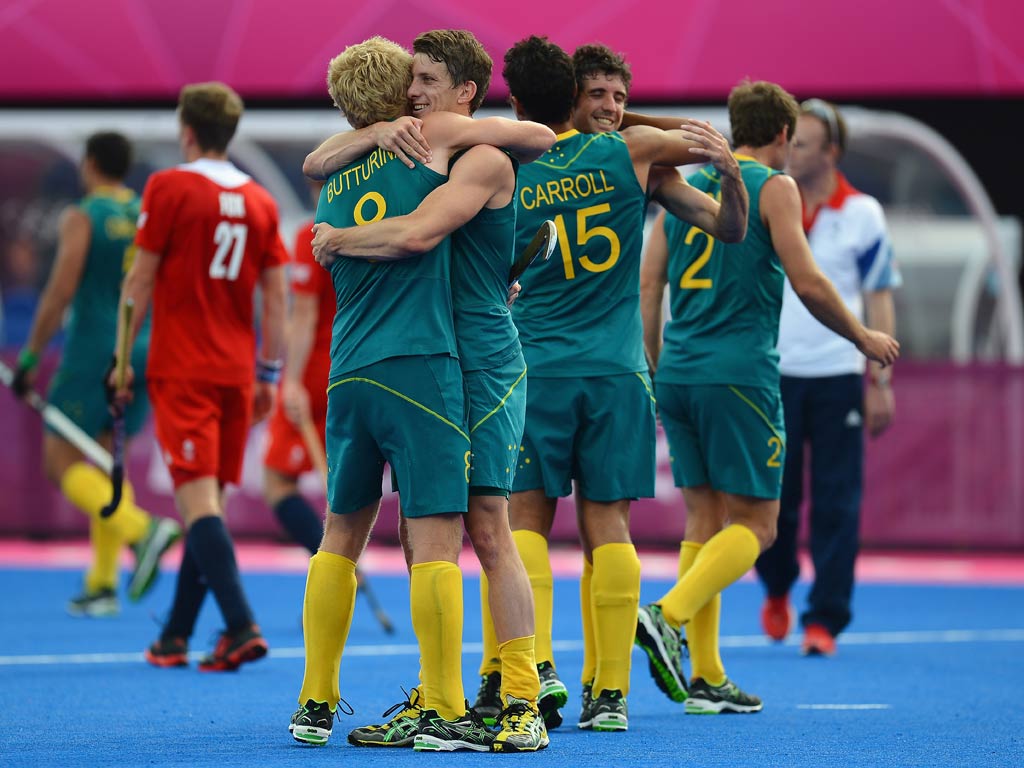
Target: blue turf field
<point>928,675</point>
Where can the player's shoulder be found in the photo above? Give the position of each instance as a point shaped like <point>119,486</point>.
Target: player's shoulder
<point>862,207</point>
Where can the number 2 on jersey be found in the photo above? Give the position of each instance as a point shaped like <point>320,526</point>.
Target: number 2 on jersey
<point>230,241</point>
<point>689,278</point>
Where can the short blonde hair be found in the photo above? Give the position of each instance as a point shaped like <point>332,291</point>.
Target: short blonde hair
<point>212,111</point>
<point>369,82</point>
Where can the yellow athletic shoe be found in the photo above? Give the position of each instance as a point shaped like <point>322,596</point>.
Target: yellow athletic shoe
<point>522,727</point>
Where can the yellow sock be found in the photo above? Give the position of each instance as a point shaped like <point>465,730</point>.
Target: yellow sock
<point>702,631</point>
<point>436,594</point>
<point>519,669</point>
<point>90,490</point>
<point>728,555</point>
<point>615,598</point>
<point>533,549</point>
<point>106,549</point>
<point>326,618</point>
<point>489,663</point>
<point>587,615</point>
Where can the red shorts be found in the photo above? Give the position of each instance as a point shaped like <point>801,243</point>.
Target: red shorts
<point>286,450</point>
<point>201,427</point>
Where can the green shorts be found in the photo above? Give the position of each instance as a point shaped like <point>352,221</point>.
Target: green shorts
<point>729,437</point>
<point>598,431</point>
<point>410,413</point>
<point>79,393</point>
<point>497,413</point>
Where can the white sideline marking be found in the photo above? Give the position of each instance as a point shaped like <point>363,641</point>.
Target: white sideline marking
<point>923,637</point>
<point>843,706</point>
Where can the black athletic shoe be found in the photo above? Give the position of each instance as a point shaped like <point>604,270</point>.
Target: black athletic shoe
<point>488,698</point>
<point>312,723</point>
<point>553,695</point>
<point>439,735</point>
<point>610,713</point>
<point>234,650</point>
<point>721,699</point>
<point>587,708</point>
<point>168,652</point>
<point>98,604</point>
<point>399,731</point>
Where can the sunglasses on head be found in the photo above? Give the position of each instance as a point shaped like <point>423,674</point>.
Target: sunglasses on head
<point>825,112</point>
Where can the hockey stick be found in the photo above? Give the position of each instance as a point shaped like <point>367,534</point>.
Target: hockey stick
<point>55,419</point>
<point>120,371</point>
<point>316,456</point>
<point>543,243</point>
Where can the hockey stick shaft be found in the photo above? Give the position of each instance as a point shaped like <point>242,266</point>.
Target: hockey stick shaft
<point>120,373</point>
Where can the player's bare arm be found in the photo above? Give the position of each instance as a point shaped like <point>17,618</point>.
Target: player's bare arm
<point>275,301</point>
<point>480,176</point>
<point>630,119</point>
<point>879,400</point>
<point>298,346</point>
<point>138,286</point>
<point>75,233</point>
<point>402,136</point>
<point>653,279</point>
<point>725,221</point>
<point>781,212</point>
<point>524,139</point>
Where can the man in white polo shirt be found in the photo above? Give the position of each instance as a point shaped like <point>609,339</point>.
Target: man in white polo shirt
<point>824,399</point>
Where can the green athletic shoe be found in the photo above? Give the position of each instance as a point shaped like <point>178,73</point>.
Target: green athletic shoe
<point>312,723</point>
<point>663,645</point>
<point>439,735</point>
<point>99,604</point>
<point>488,698</point>
<point>609,712</point>
<point>162,534</point>
<point>587,708</point>
<point>399,731</point>
<point>553,695</point>
<point>706,699</point>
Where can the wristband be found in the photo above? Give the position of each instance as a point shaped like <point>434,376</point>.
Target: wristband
<point>269,371</point>
<point>27,360</point>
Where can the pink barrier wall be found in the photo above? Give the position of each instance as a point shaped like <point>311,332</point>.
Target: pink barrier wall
<point>950,472</point>
<point>59,49</point>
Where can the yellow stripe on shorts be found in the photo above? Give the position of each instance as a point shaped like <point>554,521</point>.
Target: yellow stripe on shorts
<point>407,399</point>
<point>501,403</point>
<point>759,412</point>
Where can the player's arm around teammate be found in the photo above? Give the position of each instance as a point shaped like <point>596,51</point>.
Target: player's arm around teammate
<point>470,186</point>
<point>444,133</point>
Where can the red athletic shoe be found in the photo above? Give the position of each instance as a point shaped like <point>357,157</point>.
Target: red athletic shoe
<point>234,650</point>
<point>818,641</point>
<point>777,617</point>
<point>168,652</point>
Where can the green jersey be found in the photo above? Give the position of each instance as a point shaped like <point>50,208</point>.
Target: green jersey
<point>579,314</point>
<point>386,308</point>
<point>482,257</point>
<point>725,298</point>
<point>92,325</point>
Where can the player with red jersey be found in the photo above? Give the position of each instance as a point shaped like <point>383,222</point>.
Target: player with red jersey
<point>207,237</point>
<point>303,395</point>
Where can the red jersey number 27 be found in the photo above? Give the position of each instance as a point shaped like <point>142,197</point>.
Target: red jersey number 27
<point>230,241</point>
